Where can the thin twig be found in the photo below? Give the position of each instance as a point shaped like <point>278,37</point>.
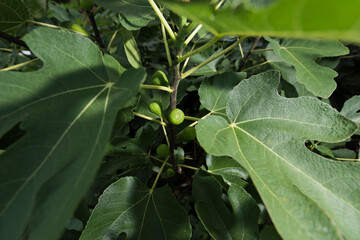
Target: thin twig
<point>12,39</point>
<point>248,54</point>
<point>95,28</point>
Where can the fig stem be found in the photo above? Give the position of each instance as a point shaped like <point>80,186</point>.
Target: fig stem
<point>191,71</point>
<point>19,65</point>
<point>149,118</point>
<point>158,174</point>
<point>170,165</point>
<point>200,49</point>
<point>190,118</point>
<point>164,130</point>
<point>168,56</point>
<point>157,87</point>
<point>162,19</point>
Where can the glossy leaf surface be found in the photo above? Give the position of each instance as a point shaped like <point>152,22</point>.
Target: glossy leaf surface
<point>128,206</point>
<point>306,195</point>
<point>131,48</point>
<point>67,110</point>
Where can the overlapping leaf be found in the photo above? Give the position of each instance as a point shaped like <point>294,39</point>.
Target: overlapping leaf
<point>37,8</point>
<point>229,169</point>
<point>134,14</point>
<point>302,54</point>
<point>241,222</point>
<point>12,13</point>
<point>214,92</point>
<point>351,109</point>
<point>306,195</point>
<point>67,110</point>
<point>332,19</point>
<point>128,206</point>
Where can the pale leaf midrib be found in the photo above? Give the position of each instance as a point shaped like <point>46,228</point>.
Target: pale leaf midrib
<point>265,185</point>
<point>28,179</point>
<point>282,119</point>
<point>298,170</point>
<point>51,96</point>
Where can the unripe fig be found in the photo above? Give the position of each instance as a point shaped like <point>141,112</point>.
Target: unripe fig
<point>77,28</point>
<point>176,116</point>
<point>170,172</point>
<point>189,133</point>
<point>159,78</point>
<point>154,107</point>
<point>162,150</point>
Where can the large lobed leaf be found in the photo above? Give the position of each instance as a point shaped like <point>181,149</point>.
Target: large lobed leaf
<point>67,110</point>
<point>12,13</point>
<point>129,207</point>
<point>302,54</point>
<point>332,19</point>
<point>306,195</point>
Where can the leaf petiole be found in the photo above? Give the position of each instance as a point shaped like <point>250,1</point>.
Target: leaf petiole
<point>191,71</point>
<point>156,87</point>
<point>162,19</point>
<point>158,174</point>
<point>19,65</point>
<point>149,118</point>
<point>166,45</point>
<point>200,49</point>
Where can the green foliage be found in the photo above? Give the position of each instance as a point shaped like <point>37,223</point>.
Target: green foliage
<point>240,222</point>
<point>189,133</point>
<point>37,8</point>
<point>351,110</point>
<point>131,48</point>
<point>132,15</point>
<point>12,13</point>
<point>280,158</point>
<point>128,206</point>
<point>67,126</point>
<point>93,144</point>
<point>302,54</point>
<point>283,18</point>
<point>86,4</point>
